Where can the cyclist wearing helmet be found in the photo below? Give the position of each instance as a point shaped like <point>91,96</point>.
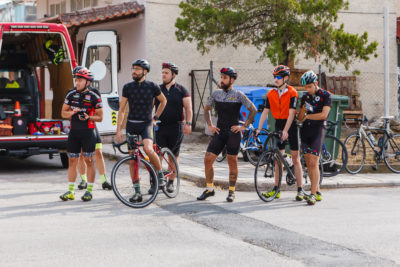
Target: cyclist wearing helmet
<point>282,102</point>
<point>227,102</point>
<point>139,95</point>
<point>83,107</point>
<point>314,110</point>
<point>100,165</point>
<point>172,126</point>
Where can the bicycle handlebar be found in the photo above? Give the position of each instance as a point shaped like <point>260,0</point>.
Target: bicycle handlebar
<point>131,140</point>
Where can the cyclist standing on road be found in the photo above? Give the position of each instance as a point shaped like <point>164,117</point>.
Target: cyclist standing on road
<point>282,102</point>
<point>100,165</point>
<point>172,126</point>
<point>84,108</point>
<point>140,95</point>
<point>228,102</point>
<point>314,110</point>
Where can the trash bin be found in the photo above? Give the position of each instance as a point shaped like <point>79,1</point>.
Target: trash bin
<point>257,95</point>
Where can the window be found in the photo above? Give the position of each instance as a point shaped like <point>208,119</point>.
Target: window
<point>58,8</point>
<point>80,4</point>
<point>102,53</point>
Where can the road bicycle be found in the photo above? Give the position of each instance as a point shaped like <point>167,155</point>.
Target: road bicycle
<point>120,172</point>
<point>270,158</point>
<point>387,148</point>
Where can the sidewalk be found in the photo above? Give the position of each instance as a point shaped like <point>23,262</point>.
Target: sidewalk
<point>192,169</point>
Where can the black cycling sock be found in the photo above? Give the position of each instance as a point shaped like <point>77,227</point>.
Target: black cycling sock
<point>275,188</point>
<point>299,189</point>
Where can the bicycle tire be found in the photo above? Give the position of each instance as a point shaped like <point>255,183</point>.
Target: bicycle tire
<point>165,164</point>
<point>334,164</point>
<point>393,152</point>
<point>221,155</point>
<point>355,147</point>
<point>121,182</point>
<point>253,148</point>
<point>264,182</point>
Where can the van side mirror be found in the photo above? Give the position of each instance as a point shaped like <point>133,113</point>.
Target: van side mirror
<point>98,69</point>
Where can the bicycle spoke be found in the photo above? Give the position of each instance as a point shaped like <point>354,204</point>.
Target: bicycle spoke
<point>356,153</point>
<point>392,153</point>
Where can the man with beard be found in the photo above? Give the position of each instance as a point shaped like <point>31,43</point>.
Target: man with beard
<point>140,95</point>
<point>227,102</point>
<point>172,127</point>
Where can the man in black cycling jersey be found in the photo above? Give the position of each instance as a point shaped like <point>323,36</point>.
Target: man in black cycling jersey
<point>227,102</point>
<point>314,110</point>
<point>100,165</point>
<point>172,126</point>
<point>140,95</point>
<point>84,108</point>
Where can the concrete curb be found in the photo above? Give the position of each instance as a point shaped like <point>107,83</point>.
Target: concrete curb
<point>249,185</point>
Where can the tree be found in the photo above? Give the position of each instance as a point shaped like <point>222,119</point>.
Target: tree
<point>281,29</point>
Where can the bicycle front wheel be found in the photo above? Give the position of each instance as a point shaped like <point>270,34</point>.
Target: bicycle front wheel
<point>392,153</point>
<point>264,176</point>
<point>333,156</point>
<point>356,153</point>
<point>253,147</point>
<point>171,172</point>
<point>135,185</point>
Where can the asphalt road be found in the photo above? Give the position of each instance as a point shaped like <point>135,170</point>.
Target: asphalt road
<point>350,227</point>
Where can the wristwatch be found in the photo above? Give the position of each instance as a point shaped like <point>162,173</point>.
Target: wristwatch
<point>188,123</point>
<point>156,117</point>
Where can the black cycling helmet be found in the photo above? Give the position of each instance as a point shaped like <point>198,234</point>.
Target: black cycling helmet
<point>282,71</point>
<point>77,69</point>
<point>229,71</point>
<point>142,63</point>
<point>171,66</point>
<point>308,77</point>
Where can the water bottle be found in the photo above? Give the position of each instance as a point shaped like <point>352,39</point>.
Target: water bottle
<point>288,159</point>
<point>371,138</point>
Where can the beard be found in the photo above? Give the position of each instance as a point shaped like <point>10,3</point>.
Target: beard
<point>137,78</point>
<point>225,87</point>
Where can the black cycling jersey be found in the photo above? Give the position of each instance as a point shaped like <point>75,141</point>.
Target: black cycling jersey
<point>173,112</point>
<point>228,106</point>
<point>314,104</point>
<point>140,99</point>
<point>88,101</point>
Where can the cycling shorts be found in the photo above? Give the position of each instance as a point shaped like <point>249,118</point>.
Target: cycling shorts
<point>293,136</point>
<point>312,138</point>
<point>144,129</point>
<point>81,140</point>
<point>225,138</point>
<point>170,136</point>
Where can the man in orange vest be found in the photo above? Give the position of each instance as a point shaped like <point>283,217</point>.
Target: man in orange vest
<point>282,102</point>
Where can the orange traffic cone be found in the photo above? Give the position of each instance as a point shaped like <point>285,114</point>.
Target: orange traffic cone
<point>17,109</point>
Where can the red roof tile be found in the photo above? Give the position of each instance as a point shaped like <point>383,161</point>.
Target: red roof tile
<point>98,15</point>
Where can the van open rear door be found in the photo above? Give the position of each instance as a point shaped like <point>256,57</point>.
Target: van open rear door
<point>100,55</point>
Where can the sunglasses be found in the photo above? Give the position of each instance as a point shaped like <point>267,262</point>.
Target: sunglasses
<point>278,77</point>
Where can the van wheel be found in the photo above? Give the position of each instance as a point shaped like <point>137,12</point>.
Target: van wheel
<point>64,160</point>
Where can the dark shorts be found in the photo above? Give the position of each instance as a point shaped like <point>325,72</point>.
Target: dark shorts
<point>293,135</point>
<point>312,138</point>
<point>144,129</point>
<point>225,138</point>
<point>81,140</point>
<point>170,136</point>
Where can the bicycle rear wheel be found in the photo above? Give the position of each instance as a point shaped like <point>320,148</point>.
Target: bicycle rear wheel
<point>392,154</point>
<point>123,185</point>
<point>221,155</point>
<point>253,147</point>
<point>355,147</point>
<point>170,169</point>
<point>264,175</point>
<point>333,156</point>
